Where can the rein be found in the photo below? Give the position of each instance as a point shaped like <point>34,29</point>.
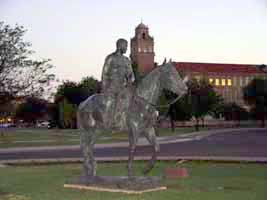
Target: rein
<point>168,104</point>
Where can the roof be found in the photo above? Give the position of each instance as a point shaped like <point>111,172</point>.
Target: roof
<point>141,26</point>
<point>219,68</point>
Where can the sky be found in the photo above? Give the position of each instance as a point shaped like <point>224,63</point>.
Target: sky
<point>78,34</point>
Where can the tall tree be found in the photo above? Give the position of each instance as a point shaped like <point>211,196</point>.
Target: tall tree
<point>20,74</point>
<point>203,99</point>
<point>232,111</point>
<point>255,95</point>
<point>68,97</point>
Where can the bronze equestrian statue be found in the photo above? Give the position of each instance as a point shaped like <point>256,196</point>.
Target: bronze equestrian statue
<point>124,106</point>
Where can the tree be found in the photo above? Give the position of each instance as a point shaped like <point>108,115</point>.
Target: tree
<point>203,99</point>
<point>181,110</point>
<point>20,74</point>
<point>68,97</point>
<point>255,95</point>
<point>89,86</point>
<point>232,111</point>
<point>32,109</point>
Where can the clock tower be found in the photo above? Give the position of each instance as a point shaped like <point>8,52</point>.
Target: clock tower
<point>142,49</point>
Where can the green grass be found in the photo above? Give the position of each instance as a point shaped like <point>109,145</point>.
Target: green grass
<point>55,137</point>
<point>207,181</point>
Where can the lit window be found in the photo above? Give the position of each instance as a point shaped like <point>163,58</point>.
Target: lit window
<point>211,80</point>
<point>139,49</point>
<point>217,81</point>
<point>223,82</point>
<point>229,82</point>
<point>145,50</point>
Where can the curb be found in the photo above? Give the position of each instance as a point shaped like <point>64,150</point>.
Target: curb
<point>139,158</point>
<point>162,140</point>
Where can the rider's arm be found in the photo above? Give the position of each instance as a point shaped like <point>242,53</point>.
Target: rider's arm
<point>105,74</point>
<point>130,74</point>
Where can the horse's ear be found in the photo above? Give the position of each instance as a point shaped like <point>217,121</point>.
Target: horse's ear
<point>170,61</point>
<point>164,61</point>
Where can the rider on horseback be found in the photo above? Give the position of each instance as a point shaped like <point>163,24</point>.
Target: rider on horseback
<point>117,74</point>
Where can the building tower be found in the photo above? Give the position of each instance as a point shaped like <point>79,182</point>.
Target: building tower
<point>142,49</point>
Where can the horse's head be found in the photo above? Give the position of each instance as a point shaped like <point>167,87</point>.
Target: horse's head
<point>171,79</point>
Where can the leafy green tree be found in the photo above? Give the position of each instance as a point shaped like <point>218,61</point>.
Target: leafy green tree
<point>255,95</point>
<point>218,109</point>
<point>78,92</point>
<point>68,97</point>
<point>20,74</point>
<point>203,99</point>
<point>89,86</point>
<point>232,111</point>
<point>32,109</point>
<point>179,111</point>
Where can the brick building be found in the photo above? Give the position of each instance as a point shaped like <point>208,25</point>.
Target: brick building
<point>227,79</point>
<point>142,49</point>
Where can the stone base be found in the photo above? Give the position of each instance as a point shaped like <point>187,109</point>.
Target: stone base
<point>134,185</point>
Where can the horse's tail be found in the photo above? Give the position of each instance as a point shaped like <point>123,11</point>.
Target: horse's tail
<point>82,117</point>
<point>85,119</point>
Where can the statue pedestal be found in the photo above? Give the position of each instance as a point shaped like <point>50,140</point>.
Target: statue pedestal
<point>123,184</point>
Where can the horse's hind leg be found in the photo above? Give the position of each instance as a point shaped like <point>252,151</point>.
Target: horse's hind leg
<point>87,141</point>
<point>150,135</point>
<point>132,146</point>
<point>87,146</point>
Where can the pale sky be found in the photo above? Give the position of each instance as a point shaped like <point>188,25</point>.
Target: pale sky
<point>78,34</point>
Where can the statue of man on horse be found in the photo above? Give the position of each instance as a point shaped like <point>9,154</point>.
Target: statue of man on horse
<point>124,106</point>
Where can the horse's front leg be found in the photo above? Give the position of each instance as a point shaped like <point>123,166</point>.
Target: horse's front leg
<point>150,135</point>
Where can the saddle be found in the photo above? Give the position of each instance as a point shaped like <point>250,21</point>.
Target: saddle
<point>128,105</point>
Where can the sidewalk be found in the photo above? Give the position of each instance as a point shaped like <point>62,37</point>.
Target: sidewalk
<point>141,142</point>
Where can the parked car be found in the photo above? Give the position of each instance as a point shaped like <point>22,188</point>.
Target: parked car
<point>43,124</point>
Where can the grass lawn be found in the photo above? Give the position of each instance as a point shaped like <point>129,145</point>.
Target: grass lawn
<point>54,137</point>
<point>207,181</point>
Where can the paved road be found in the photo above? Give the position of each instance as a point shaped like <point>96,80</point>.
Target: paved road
<point>238,143</point>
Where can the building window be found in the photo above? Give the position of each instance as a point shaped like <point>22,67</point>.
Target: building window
<point>241,81</point>
<point>144,36</point>
<point>217,81</point>
<point>139,49</point>
<point>211,81</point>
<point>145,50</point>
<point>150,49</point>
<point>234,81</point>
<point>247,80</point>
<point>223,82</point>
<point>229,82</point>
<point>197,78</point>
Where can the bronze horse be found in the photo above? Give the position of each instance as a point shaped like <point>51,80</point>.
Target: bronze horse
<point>138,114</point>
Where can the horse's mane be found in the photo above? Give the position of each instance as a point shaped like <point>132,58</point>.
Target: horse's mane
<point>151,75</point>
<point>147,80</point>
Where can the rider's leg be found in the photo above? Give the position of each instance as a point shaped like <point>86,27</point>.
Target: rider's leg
<point>110,109</point>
